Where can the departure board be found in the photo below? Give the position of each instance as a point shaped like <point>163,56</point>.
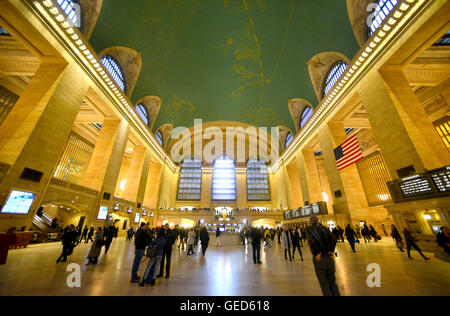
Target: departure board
<point>441,179</point>
<point>415,186</point>
<point>319,208</point>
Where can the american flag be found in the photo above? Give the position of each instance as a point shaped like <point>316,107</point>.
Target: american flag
<point>348,153</point>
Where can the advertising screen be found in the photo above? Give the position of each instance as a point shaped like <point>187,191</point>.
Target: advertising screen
<point>19,202</point>
<point>102,213</point>
<point>137,218</point>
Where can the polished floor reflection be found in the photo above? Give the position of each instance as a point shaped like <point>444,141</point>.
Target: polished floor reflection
<point>224,271</point>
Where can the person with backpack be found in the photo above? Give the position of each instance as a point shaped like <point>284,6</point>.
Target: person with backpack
<point>96,247</point>
<point>141,241</point>
<point>68,241</point>
<point>155,253</point>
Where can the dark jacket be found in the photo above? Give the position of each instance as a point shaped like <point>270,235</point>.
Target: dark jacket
<point>170,237</point>
<point>296,238</point>
<point>256,236</point>
<point>204,235</point>
<point>320,240</point>
<point>142,239</point>
<point>350,234</point>
<point>69,238</point>
<point>409,238</point>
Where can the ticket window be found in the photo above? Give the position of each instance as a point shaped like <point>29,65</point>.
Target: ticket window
<point>433,220</point>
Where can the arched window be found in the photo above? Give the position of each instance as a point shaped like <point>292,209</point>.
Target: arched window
<point>142,111</point>
<point>382,10</point>
<point>224,180</point>
<point>257,181</point>
<point>333,76</point>
<point>115,71</point>
<point>159,138</point>
<point>307,112</point>
<point>190,181</point>
<point>72,10</point>
<point>289,139</point>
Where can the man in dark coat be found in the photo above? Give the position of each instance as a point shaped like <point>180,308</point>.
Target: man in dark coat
<point>109,234</point>
<point>90,234</point>
<point>351,236</point>
<point>141,241</point>
<point>68,240</point>
<point>84,234</point>
<point>204,239</point>
<point>322,245</point>
<point>256,245</point>
<point>411,243</point>
<point>170,238</point>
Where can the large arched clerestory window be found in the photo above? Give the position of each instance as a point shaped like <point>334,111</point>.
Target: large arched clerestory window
<point>383,9</point>
<point>224,180</point>
<point>333,76</point>
<point>72,8</point>
<point>257,180</point>
<point>116,72</point>
<point>289,139</point>
<point>159,138</point>
<point>190,181</point>
<point>306,114</point>
<point>143,113</point>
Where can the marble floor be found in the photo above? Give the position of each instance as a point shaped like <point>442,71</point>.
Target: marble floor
<point>227,271</point>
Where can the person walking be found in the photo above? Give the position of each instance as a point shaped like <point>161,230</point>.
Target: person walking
<point>170,238</point>
<point>341,233</point>
<point>256,245</point>
<point>218,241</point>
<point>96,247</point>
<point>411,243</point>
<point>358,231</point>
<point>322,245</point>
<point>7,240</point>
<point>267,238</point>
<point>141,241</point>
<point>69,240</point>
<point>84,234</point>
<point>397,238</point>
<point>204,239</point>
<point>373,233</point>
<point>155,253</point>
<point>109,234</point>
<point>286,237</point>
<point>365,234</point>
<point>130,233</point>
<point>190,242</point>
<point>296,240</point>
<point>279,235</point>
<point>90,234</point>
<point>351,236</point>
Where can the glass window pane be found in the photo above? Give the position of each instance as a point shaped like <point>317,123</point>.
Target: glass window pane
<point>142,111</point>
<point>224,180</point>
<point>257,181</point>
<point>383,9</point>
<point>289,139</point>
<point>113,68</point>
<point>307,112</point>
<point>190,182</point>
<point>333,76</point>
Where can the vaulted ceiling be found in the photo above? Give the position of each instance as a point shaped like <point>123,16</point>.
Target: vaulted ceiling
<point>231,60</point>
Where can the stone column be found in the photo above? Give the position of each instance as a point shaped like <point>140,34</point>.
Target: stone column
<point>353,200</point>
<point>134,173</point>
<point>403,131</point>
<point>51,105</point>
<point>143,181</point>
<point>309,176</point>
<point>104,167</point>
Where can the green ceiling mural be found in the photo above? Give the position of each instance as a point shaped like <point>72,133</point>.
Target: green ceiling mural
<point>234,60</point>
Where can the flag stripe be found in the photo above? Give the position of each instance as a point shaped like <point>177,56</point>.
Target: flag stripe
<point>351,153</point>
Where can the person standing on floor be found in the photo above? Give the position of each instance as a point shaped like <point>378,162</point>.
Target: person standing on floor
<point>351,236</point>
<point>296,240</point>
<point>141,241</point>
<point>341,233</point>
<point>170,238</point>
<point>322,245</point>
<point>7,240</point>
<point>96,247</point>
<point>286,237</point>
<point>411,243</point>
<point>397,238</point>
<point>154,253</point>
<point>204,239</point>
<point>256,245</point>
<point>267,237</point>
<point>69,240</point>
<point>279,235</point>
<point>358,231</point>
<point>218,241</point>
<point>190,242</point>
<point>130,233</point>
<point>84,234</point>
<point>90,234</point>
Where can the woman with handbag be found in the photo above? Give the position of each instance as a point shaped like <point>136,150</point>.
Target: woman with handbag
<point>96,247</point>
<point>155,253</point>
